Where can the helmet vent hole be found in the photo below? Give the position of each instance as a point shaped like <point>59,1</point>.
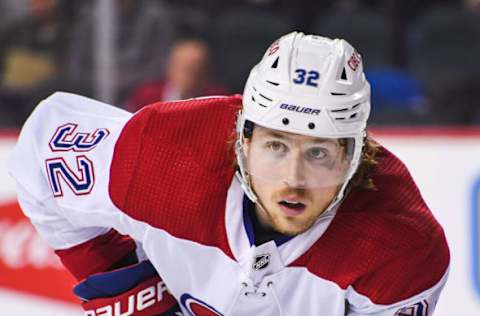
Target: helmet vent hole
<point>354,115</point>
<point>285,121</point>
<point>266,98</point>
<point>275,63</point>
<point>335,93</point>
<point>344,74</point>
<point>273,83</point>
<point>340,110</point>
<point>255,101</point>
<point>311,125</point>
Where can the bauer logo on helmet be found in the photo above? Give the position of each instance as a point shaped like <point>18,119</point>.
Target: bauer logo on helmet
<point>299,109</point>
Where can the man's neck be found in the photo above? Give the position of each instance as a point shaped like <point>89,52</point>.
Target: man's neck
<point>262,231</point>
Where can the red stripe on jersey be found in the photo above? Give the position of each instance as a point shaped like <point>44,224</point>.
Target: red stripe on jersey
<point>383,242</point>
<point>172,167</point>
<point>97,254</point>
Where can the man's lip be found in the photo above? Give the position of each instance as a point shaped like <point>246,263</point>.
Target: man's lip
<point>293,198</point>
<point>292,211</point>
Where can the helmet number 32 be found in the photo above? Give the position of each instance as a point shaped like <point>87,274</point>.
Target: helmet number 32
<point>309,78</point>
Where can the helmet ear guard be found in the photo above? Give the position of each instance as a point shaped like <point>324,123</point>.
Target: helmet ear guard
<point>307,85</point>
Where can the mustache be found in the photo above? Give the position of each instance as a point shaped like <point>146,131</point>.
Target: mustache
<point>302,193</point>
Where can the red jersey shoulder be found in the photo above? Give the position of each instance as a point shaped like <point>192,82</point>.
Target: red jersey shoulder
<point>173,164</point>
<point>385,242</point>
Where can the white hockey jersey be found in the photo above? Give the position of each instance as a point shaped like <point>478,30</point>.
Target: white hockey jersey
<point>164,176</point>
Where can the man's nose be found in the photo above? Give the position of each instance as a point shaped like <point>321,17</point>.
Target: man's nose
<point>296,173</point>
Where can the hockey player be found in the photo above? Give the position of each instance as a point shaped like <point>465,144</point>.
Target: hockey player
<point>299,212</point>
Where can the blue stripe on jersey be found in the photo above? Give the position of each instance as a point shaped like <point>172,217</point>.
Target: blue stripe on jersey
<point>247,221</point>
<point>282,239</point>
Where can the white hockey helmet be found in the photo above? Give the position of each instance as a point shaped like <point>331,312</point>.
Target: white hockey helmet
<point>308,85</point>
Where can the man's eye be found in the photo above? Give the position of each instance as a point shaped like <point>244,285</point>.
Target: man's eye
<point>316,153</point>
<point>276,147</point>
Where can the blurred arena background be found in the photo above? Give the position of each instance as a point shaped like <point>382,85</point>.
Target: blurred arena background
<point>421,57</point>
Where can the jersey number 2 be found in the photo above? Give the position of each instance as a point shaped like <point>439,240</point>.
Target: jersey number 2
<point>65,139</point>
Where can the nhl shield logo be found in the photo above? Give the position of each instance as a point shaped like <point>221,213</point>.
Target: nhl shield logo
<point>261,262</point>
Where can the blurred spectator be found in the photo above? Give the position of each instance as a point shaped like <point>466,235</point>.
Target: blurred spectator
<point>472,5</point>
<point>187,76</point>
<point>144,31</point>
<point>31,52</point>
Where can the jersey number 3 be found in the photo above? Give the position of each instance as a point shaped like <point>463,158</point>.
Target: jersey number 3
<point>81,180</point>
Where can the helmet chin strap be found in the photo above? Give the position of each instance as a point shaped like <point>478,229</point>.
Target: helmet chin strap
<point>241,174</point>
<point>246,187</point>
